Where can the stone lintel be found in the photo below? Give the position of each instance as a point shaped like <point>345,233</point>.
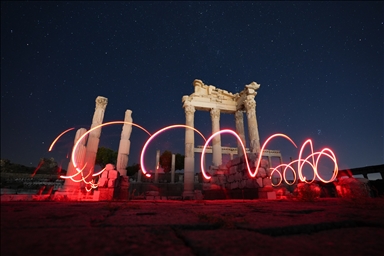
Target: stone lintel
<point>233,150</point>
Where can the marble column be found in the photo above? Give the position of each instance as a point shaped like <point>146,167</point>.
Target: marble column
<point>125,144</point>
<point>139,173</point>
<point>157,166</point>
<point>70,185</point>
<point>189,160</point>
<point>250,106</point>
<point>173,169</point>
<point>239,119</point>
<point>94,137</point>
<point>270,161</point>
<point>216,141</point>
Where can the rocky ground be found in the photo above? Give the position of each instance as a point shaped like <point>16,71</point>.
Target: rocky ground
<point>329,226</point>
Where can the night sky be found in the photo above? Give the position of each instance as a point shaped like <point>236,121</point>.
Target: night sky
<point>320,66</point>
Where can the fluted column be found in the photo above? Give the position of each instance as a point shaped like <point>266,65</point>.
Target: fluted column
<point>139,176</point>
<point>173,169</point>
<point>216,141</point>
<point>125,144</point>
<point>250,106</point>
<point>189,160</point>
<point>239,119</point>
<point>157,166</point>
<point>70,185</point>
<point>94,137</point>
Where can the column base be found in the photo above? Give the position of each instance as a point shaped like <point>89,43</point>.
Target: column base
<point>188,195</point>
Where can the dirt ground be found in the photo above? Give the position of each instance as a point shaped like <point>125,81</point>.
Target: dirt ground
<point>329,226</point>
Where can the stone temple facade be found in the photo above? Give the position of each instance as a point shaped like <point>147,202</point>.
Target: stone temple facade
<point>217,101</point>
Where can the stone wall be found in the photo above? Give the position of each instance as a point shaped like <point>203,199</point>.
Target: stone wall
<point>235,175</point>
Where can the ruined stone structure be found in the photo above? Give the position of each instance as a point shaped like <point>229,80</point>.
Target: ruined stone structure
<point>125,144</point>
<point>71,187</point>
<point>217,101</point>
<point>109,183</point>
<point>94,137</point>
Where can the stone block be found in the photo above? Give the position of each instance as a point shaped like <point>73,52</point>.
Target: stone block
<point>198,195</point>
<point>234,185</point>
<point>206,186</point>
<point>249,183</point>
<point>233,169</point>
<point>242,184</point>
<point>260,182</point>
<point>267,195</point>
<point>236,161</point>
<point>215,187</point>
<point>113,174</point>
<point>221,179</point>
<point>252,157</point>
<point>112,183</point>
<point>238,176</point>
<point>220,172</point>
<point>103,182</point>
<point>267,182</point>
<point>264,163</point>
<point>152,193</point>
<point>106,194</point>
<point>231,178</point>
<point>261,172</point>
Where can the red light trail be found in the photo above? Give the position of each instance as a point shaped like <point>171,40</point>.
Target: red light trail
<point>143,169</point>
<point>300,161</point>
<point>58,137</point>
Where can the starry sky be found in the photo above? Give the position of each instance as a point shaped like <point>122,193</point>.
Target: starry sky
<point>320,66</point>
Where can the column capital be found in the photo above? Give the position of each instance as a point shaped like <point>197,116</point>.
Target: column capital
<point>239,115</point>
<point>189,109</point>
<point>101,102</point>
<point>249,103</point>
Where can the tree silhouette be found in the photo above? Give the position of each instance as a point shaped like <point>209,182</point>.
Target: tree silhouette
<point>166,161</point>
<point>105,156</point>
<point>179,162</point>
<point>131,170</point>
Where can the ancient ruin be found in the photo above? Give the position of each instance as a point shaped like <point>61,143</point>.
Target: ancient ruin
<point>94,138</point>
<point>217,101</point>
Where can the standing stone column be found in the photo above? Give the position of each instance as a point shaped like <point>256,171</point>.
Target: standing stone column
<point>250,106</point>
<point>70,185</point>
<point>173,169</point>
<point>139,173</point>
<point>189,160</point>
<point>270,161</point>
<point>125,144</point>
<point>239,119</point>
<point>157,166</point>
<point>216,141</point>
<point>94,136</point>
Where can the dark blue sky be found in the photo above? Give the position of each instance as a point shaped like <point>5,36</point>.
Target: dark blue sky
<point>320,66</point>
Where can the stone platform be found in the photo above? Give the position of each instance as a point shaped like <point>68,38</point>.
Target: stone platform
<point>221,227</point>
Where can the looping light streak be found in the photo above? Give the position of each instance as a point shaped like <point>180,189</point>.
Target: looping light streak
<point>300,161</point>
<point>314,164</point>
<point>143,169</point>
<point>73,156</point>
<point>209,140</point>
<point>251,173</point>
<point>58,137</point>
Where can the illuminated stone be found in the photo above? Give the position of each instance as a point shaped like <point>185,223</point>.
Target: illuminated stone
<point>125,144</point>
<point>94,138</point>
